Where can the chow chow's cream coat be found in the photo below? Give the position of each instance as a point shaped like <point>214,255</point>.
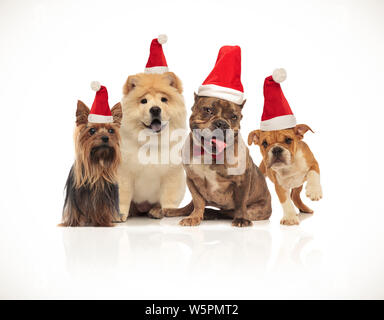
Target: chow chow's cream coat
<point>156,184</point>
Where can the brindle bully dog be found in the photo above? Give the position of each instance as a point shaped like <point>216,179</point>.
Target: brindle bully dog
<point>231,182</point>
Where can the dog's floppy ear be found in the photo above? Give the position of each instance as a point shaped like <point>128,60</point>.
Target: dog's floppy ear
<point>130,84</point>
<point>301,129</point>
<point>254,137</point>
<point>81,113</point>
<point>117,113</point>
<point>174,81</point>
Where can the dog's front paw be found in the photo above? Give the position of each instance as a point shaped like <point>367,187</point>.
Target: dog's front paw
<point>314,192</point>
<point>120,218</point>
<point>124,212</point>
<point>190,221</point>
<point>240,222</point>
<point>290,220</point>
<point>156,213</point>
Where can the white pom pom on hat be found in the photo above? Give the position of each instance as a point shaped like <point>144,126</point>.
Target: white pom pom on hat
<point>95,85</point>
<point>162,38</point>
<point>279,75</point>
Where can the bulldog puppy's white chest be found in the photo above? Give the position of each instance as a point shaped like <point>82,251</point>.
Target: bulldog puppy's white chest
<point>204,172</point>
<point>293,176</point>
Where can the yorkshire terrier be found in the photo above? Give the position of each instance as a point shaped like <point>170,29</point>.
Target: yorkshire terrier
<point>92,194</point>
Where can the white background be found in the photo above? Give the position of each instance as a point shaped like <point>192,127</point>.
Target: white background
<point>333,53</point>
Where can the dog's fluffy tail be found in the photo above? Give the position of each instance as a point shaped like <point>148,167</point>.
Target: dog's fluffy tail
<point>215,214</point>
<point>209,213</point>
<point>179,212</point>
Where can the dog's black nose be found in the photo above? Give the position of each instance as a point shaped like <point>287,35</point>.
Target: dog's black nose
<point>105,138</point>
<point>277,151</point>
<point>155,111</point>
<point>220,124</point>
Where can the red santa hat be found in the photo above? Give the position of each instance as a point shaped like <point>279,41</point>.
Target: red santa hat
<point>100,111</point>
<point>224,81</point>
<point>277,114</point>
<point>156,61</point>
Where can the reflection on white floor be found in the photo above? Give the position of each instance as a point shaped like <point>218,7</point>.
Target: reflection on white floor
<point>158,259</point>
<point>215,248</point>
<point>162,260</point>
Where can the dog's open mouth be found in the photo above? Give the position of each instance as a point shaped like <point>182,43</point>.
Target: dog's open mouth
<point>215,145</point>
<point>156,125</point>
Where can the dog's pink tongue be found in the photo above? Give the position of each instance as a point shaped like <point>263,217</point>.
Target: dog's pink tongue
<point>156,126</point>
<point>220,145</point>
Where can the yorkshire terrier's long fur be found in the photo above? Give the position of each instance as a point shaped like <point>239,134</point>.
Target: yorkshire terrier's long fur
<point>92,195</point>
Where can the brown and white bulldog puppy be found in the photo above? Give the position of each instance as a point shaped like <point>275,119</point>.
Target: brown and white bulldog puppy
<point>288,162</point>
<point>230,180</point>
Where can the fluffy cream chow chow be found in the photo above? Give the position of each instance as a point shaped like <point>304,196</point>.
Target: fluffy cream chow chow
<point>151,176</point>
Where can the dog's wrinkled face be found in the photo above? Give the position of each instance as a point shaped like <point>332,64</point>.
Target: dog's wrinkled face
<point>97,141</point>
<point>152,101</point>
<point>215,122</point>
<point>278,148</point>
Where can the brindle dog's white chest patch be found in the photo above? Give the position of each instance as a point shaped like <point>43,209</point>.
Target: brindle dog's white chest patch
<point>207,174</point>
<point>294,175</point>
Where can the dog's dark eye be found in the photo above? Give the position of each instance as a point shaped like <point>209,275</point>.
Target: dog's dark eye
<point>234,117</point>
<point>265,144</point>
<point>143,101</point>
<point>111,131</point>
<point>288,140</point>
<point>163,99</point>
<point>208,110</point>
<point>92,131</point>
